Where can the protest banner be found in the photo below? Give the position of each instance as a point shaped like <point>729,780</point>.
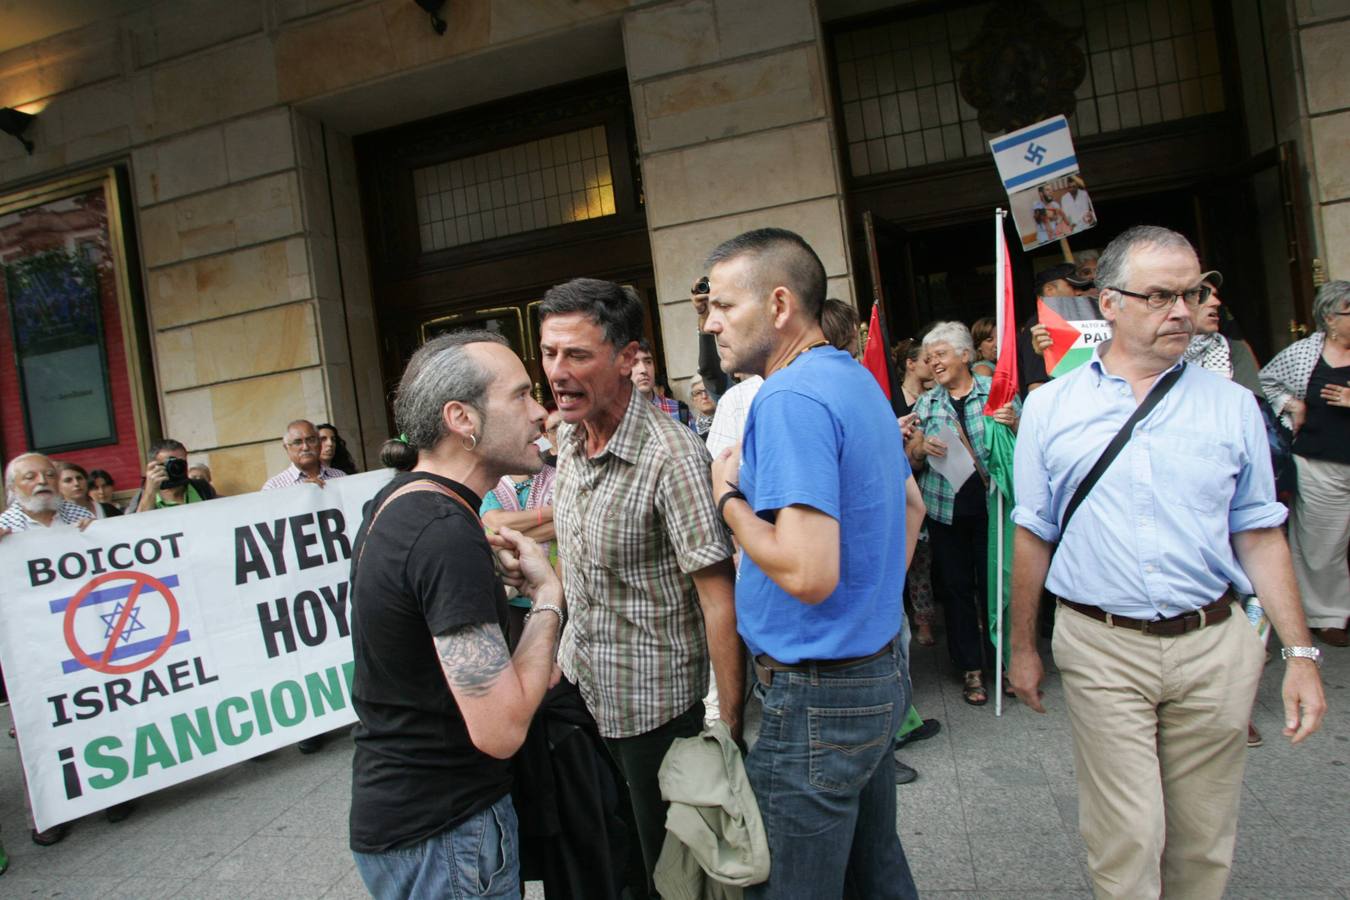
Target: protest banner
<point>1074,331</point>
<point>150,649</point>
<point>1046,192</point>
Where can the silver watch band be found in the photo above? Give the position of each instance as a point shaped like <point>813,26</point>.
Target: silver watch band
<point>553,608</point>
<point>1302,653</point>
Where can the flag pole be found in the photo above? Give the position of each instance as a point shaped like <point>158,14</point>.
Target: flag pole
<point>998,306</point>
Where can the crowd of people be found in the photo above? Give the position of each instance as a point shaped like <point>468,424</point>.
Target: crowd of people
<point>565,611</point>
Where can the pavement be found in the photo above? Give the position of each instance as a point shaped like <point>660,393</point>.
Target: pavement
<point>992,815</point>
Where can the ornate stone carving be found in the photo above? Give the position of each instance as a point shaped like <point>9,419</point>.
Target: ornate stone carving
<point>1022,67</point>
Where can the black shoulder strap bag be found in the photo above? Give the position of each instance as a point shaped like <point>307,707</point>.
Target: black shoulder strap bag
<point>1118,443</point>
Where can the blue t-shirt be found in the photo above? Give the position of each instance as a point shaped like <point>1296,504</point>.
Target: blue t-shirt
<point>822,434</point>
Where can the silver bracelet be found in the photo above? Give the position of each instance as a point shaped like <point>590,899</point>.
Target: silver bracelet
<point>553,608</point>
<point>1302,653</point>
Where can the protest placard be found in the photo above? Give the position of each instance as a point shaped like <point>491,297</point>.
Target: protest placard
<point>154,648</point>
<point>1046,192</point>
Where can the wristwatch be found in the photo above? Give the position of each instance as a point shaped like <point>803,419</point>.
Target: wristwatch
<point>1302,653</point>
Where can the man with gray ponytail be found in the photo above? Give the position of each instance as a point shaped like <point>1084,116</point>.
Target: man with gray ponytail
<point>442,703</point>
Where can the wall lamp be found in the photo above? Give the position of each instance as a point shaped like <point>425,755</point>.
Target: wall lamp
<point>16,123</point>
<point>433,8</point>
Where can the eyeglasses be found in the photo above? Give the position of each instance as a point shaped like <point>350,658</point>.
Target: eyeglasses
<point>303,442</point>
<point>1160,300</point>
<point>698,393</point>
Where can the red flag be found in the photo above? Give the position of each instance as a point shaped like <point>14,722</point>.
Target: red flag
<point>1004,387</point>
<point>874,355</point>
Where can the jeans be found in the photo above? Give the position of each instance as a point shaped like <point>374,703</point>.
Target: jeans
<point>480,857</point>
<point>824,777</point>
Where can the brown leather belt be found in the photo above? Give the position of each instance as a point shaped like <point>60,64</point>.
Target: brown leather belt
<point>1194,620</point>
<point>766,665</point>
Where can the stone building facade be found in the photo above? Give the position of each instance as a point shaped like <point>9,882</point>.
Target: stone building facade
<point>234,123</point>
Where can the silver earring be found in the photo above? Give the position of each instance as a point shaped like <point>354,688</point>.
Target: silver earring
<point>473,443</point>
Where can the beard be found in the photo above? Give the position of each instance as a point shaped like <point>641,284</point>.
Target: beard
<point>40,503</point>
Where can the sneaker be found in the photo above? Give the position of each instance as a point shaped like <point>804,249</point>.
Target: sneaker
<point>904,774</point>
<point>1253,736</point>
<point>929,728</point>
<point>311,745</point>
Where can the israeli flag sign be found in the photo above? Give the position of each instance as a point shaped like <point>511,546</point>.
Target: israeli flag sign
<point>1035,154</point>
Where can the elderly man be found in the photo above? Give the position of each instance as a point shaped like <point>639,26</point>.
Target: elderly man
<point>1159,666</point>
<point>302,447</point>
<point>35,502</point>
<point>35,497</point>
<point>442,703</point>
<point>646,561</point>
<point>815,499</point>
<point>168,480</point>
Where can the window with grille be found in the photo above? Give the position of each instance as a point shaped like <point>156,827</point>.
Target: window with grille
<point>1148,62</point>
<point>551,181</point>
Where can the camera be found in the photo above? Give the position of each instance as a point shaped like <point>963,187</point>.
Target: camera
<point>175,472</point>
<point>702,286</point>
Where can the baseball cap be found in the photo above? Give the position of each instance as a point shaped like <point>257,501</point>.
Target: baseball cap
<point>1066,271</point>
<point>1213,277</point>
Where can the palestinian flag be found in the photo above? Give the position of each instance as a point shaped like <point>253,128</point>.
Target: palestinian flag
<point>1001,441</point>
<point>1074,336</point>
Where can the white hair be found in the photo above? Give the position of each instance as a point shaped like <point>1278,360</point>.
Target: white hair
<point>954,334</point>
<point>10,494</point>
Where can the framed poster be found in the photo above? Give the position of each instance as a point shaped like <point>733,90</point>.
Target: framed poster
<point>71,330</point>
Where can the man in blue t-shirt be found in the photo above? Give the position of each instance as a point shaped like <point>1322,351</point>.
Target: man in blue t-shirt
<point>815,495</point>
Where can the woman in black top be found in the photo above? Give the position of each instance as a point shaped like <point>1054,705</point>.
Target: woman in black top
<point>1309,385</point>
<point>333,450</point>
<point>74,482</point>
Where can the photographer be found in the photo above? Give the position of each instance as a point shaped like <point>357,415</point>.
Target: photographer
<point>166,480</point>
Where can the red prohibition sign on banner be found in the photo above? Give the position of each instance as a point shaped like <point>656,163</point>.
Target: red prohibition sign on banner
<point>104,664</point>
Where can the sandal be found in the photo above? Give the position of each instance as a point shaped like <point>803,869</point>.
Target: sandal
<point>973,691</point>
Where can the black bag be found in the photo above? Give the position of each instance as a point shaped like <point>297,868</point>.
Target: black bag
<point>1281,442</point>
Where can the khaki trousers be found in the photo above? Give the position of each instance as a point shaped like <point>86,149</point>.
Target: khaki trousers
<point>1159,733</point>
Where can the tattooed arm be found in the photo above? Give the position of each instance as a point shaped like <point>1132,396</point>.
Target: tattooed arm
<point>498,693</point>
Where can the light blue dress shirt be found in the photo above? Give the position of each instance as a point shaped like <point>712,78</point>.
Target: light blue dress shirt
<point>1152,538</point>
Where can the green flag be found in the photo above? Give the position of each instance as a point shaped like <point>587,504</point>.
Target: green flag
<point>1000,441</point>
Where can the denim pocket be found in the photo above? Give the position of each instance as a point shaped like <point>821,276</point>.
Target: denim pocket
<point>846,744</point>
<point>485,851</point>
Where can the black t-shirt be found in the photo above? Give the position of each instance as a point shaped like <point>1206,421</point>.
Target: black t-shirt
<point>425,569</point>
<point>1030,364</point>
<point>1325,434</point>
<point>969,499</point>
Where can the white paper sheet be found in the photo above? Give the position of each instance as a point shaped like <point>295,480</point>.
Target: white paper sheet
<point>957,465</point>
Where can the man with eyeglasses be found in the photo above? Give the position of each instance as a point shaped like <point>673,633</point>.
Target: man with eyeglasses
<point>1159,665</point>
<point>302,447</point>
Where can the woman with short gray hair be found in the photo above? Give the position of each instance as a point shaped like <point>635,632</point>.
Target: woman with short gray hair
<point>958,519</point>
<point>1308,385</point>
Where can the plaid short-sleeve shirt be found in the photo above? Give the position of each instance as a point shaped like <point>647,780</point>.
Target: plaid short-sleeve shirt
<point>934,409</point>
<point>633,522</point>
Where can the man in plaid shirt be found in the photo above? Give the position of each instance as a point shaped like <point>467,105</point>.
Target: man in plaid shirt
<point>645,380</point>
<point>646,558</point>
